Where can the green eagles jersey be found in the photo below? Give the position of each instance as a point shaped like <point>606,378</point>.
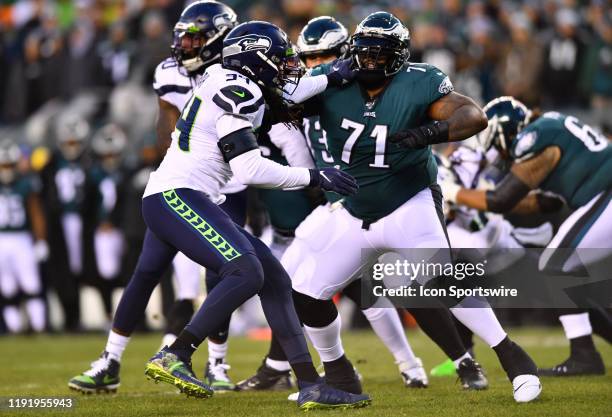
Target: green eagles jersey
<point>13,204</point>
<point>585,167</point>
<point>286,209</point>
<point>105,192</point>
<point>317,142</point>
<point>357,130</point>
<point>70,181</point>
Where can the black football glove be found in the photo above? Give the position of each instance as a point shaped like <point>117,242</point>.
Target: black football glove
<point>342,72</point>
<point>422,136</point>
<point>332,179</point>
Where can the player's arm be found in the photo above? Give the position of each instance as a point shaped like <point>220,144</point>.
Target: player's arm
<point>239,148</point>
<point>340,73</point>
<point>39,226</point>
<point>293,145</point>
<point>455,117</point>
<point>523,177</point>
<point>166,121</point>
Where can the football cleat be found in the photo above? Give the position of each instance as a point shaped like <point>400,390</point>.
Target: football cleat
<point>316,396</point>
<point>446,368</point>
<point>266,379</point>
<point>102,377</point>
<point>576,365</point>
<point>471,375</point>
<point>414,376</point>
<point>526,388</point>
<point>167,367</point>
<point>215,375</point>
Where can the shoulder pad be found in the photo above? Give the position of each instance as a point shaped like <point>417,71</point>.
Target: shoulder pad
<point>170,79</point>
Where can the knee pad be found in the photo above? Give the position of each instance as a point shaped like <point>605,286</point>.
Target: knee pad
<point>246,268</point>
<point>313,312</point>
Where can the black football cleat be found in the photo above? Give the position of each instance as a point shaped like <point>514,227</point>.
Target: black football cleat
<point>471,375</point>
<point>266,379</point>
<point>587,363</point>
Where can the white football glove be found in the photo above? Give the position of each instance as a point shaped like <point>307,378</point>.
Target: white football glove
<point>448,183</point>
<point>41,251</point>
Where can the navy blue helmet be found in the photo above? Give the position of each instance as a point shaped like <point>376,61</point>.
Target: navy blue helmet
<point>507,117</point>
<point>263,52</point>
<point>380,46</point>
<point>323,35</point>
<point>199,33</point>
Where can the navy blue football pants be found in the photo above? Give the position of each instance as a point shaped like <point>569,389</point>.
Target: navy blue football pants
<point>186,220</point>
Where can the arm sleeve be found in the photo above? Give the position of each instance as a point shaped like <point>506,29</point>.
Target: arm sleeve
<point>307,87</point>
<point>292,143</point>
<point>251,168</point>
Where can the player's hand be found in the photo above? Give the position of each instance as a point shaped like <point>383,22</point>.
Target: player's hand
<point>448,183</point>
<point>41,251</point>
<point>332,179</point>
<point>342,72</point>
<point>422,136</point>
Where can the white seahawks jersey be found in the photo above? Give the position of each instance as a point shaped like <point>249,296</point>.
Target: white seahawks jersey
<point>223,102</point>
<point>173,84</point>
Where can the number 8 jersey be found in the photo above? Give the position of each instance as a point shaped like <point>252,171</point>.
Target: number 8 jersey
<point>223,102</point>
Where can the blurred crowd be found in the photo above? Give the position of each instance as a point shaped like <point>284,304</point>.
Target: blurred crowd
<point>77,96</point>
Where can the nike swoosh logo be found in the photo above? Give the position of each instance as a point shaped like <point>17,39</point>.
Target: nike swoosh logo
<point>324,176</point>
<point>519,387</point>
<point>240,94</point>
<point>335,68</point>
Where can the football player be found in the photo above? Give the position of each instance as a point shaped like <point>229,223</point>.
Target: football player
<point>380,129</point>
<point>22,241</point>
<point>180,207</point>
<point>323,40</point>
<point>108,144</point>
<point>559,154</point>
<point>64,188</point>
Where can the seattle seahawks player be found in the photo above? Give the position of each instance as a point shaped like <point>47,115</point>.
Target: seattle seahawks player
<point>323,40</point>
<point>197,43</point>
<point>181,212</point>
<point>397,184</point>
<point>559,154</point>
<point>22,242</point>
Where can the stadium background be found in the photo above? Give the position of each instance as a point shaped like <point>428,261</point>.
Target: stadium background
<point>96,59</point>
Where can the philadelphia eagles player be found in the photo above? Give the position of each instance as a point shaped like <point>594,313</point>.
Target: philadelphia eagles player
<point>22,242</point>
<point>398,204</point>
<point>180,207</point>
<point>321,41</point>
<point>559,154</point>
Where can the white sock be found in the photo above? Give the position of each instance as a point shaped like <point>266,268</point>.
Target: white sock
<point>167,340</point>
<point>281,366</point>
<point>458,360</point>
<point>326,340</point>
<point>217,351</point>
<point>388,327</point>
<point>12,318</point>
<point>116,344</point>
<point>576,325</point>
<point>36,313</point>
<point>481,320</point>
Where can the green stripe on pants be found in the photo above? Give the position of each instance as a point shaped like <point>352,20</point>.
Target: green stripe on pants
<point>200,225</point>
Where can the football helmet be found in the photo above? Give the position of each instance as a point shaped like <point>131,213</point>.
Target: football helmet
<point>507,117</point>
<point>108,143</point>
<point>379,47</point>
<point>263,52</point>
<point>199,32</point>
<point>323,35</point>
<point>9,158</point>
<point>71,132</point>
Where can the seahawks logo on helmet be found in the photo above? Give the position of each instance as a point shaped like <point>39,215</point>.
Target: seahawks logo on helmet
<point>224,21</point>
<point>255,43</point>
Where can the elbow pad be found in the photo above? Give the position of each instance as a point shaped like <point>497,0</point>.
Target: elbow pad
<point>507,194</point>
<point>237,143</point>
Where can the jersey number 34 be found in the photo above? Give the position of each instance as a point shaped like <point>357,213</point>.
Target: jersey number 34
<point>185,123</point>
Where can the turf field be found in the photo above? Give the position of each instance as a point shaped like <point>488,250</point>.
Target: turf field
<point>41,367</point>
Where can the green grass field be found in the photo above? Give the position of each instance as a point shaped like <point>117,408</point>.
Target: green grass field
<point>41,367</point>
